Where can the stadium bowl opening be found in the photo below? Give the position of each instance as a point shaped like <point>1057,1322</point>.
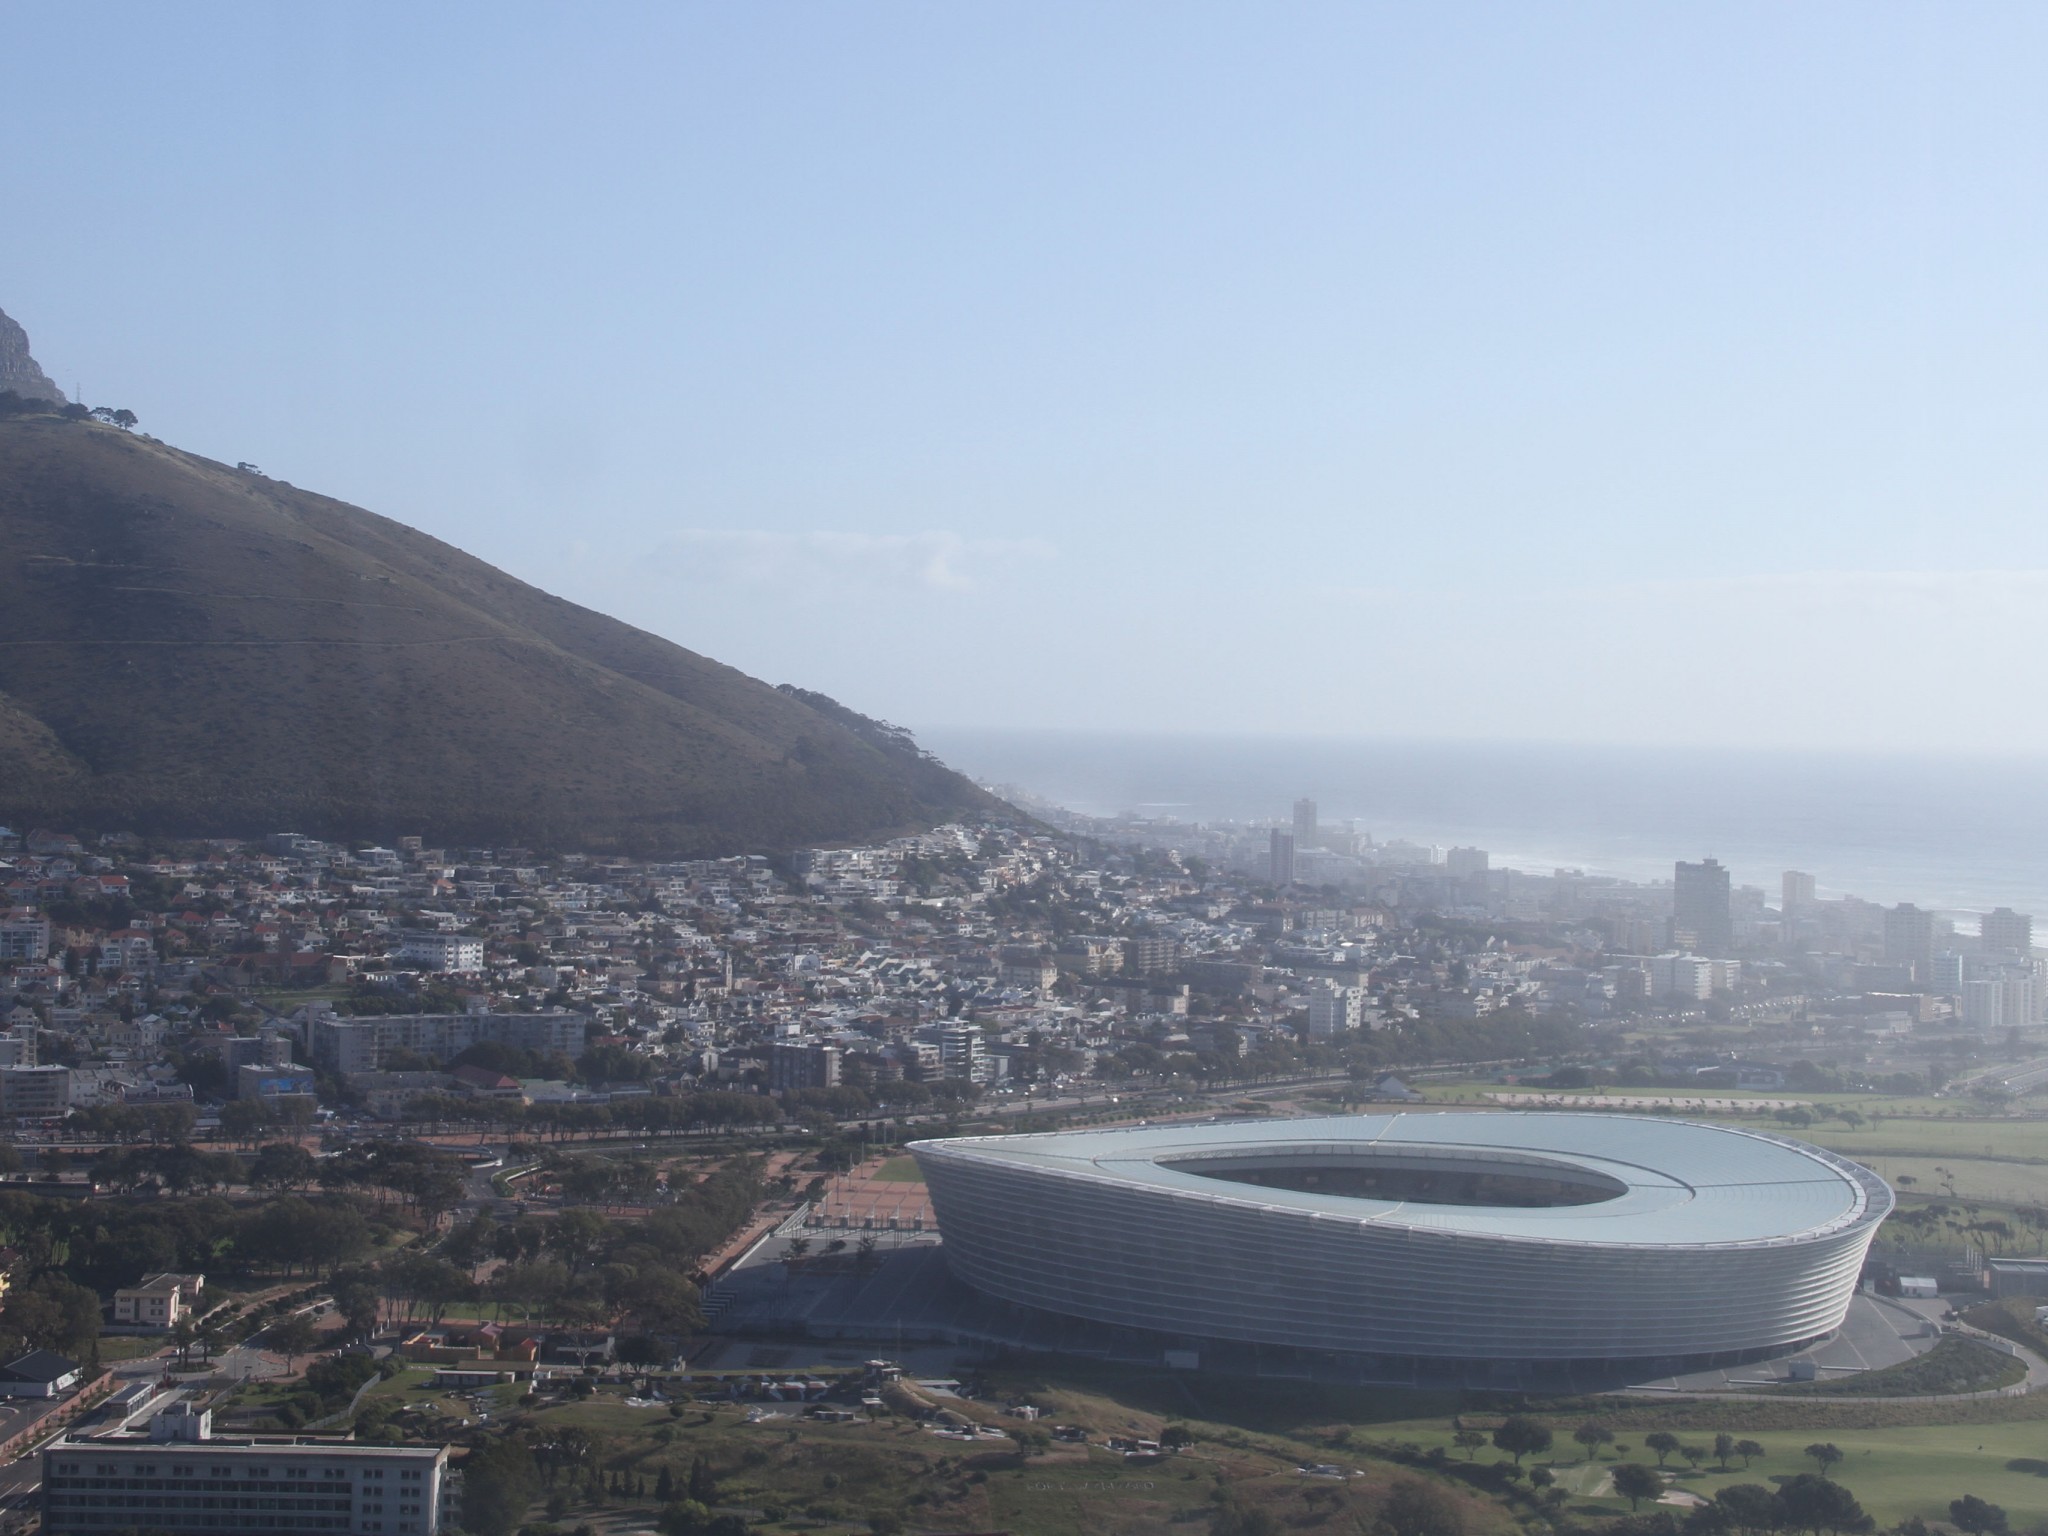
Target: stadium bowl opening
<point>1373,1173</point>
<point>1500,1236</point>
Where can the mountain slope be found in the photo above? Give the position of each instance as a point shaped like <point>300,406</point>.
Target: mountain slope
<point>19,370</point>
<point>188,648</point>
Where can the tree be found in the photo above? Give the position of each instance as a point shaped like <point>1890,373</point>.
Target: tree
<point>282,1165</point>
<point>1694,1454</point>
<point>664,1301</point>
<point>498,1483</point>
<point>293,1337</point>
<point>1592,1435</point>
<point>241,1119</point>
<point>703,1484</point>
<point>1663,1442</point>
<point>665,1487</point>
<point>641,1349</point>
<point>56,1314</point>
<point>1974,1515</point>
<point>576,1235</point>
<point>1724,1447</point>
<point>1749,1450</point>
<point>1413,1507</point>
<point>1468,1441</point>
<point>690,1518</point>
<point>1820,1505</point>
<point>358,1305</point>
<point>1521,1436</point>
<point>1749,1508</point>
<point>1824,1455</point>
<point>1176,1437</point>
<point>1636,1482</point>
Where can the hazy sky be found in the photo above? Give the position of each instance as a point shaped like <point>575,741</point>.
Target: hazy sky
<point>1592,372</point>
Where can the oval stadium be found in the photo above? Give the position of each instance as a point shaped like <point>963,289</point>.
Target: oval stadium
<point>1447,1236</point>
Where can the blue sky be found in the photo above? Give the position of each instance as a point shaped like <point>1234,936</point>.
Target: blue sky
<point>1607,373</point>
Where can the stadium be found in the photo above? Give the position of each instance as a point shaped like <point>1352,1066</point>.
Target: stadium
<point>1418,1236</point>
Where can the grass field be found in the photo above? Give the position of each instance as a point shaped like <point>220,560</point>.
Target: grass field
<point>117,1346</point>
<point>899,1170</point>
<point>413,1388</point>
<point>1250,1440</point>
<point>1976,1179</point>
<point>2014,1138</point>
<point>1894,1472</point>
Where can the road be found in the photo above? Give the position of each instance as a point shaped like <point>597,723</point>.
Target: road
<point>22,1479</point>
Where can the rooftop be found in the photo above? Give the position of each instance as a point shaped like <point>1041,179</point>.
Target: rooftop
<point>1634,1181</point>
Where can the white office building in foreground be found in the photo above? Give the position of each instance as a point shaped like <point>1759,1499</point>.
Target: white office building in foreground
<point>1495,1236</point>
<point>180,1479</point>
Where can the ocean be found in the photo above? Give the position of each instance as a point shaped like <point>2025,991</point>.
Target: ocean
<point>1959,835</point>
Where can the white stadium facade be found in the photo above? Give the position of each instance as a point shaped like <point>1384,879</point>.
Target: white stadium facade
<point>1538,1237</point>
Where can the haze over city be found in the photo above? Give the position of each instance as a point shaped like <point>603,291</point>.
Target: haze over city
<point>1591,374</point>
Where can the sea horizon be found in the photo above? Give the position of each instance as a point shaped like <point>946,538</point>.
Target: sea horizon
<point>1960,835</point>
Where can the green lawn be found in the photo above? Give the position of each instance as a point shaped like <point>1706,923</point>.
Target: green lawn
<point>1935,1138</point>
<point>118,1346</point>
<point>1976,1179</point>
<point>899,1170</point>
<point>413,1387</point>
<point>1894,1472</point>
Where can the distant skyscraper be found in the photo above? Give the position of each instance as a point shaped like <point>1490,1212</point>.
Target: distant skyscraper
<point>2007,929</point>
<point>1281,855</point>
<point>1305,833</point>
<point>1463,863</point>
<point>1700,912</point>
<point>1909,939</point>
<point>1797,892</point>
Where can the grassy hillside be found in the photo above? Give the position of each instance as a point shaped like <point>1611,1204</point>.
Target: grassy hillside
<point>188,648</point>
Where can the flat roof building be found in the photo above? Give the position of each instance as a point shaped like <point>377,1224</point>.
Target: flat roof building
<point>179,1478</point>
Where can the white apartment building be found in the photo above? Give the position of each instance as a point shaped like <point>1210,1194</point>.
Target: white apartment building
<point>1334,1010</point>
<point>451,953</point>
<point>181,1479</point>
<point>158,1301</point>
<point>1999,1002</point>
<point>1692,976</point>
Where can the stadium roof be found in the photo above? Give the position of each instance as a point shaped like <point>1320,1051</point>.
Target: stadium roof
<point>1681,1184</point>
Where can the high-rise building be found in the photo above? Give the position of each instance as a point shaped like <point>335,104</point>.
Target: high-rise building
<point>1280,857</point>
<point>964,1054</point>
<point>1151,954</point>
<point>1334,1010</point>
<point>1796,891</point>
<point>2008,930</point>
<point>1701,917</point>
<point>2000,1002</point>
<point>1909,939</point>
<point>1463,863</point>
<point>802,1064</point>
<point>1944,976</point>
<point>1305,833</point>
